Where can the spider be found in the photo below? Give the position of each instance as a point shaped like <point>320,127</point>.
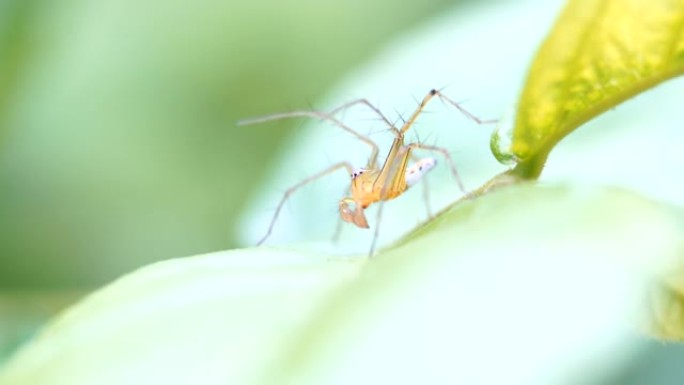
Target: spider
<point>374,183</point>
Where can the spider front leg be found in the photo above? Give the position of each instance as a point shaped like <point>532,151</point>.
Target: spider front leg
<point>462,110</point>
<point>444,98</point>
<point>294,188</point>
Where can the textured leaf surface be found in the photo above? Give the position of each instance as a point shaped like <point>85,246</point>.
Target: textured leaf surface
<point>599,54</point>
<point>532,289</point>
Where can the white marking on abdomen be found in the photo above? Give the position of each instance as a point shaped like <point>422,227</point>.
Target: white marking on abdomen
<point>416,171</point>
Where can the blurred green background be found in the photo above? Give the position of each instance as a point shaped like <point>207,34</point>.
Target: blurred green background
<point>118,144</point>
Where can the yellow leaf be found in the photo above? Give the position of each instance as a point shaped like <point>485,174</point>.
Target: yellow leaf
<point>600,53</point>
<point>666,306</point>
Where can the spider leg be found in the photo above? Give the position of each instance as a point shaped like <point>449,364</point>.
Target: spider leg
<point>376,234</point>
<point>445,153</point>
<point>465,112</point>
<point>444,98</point>
<point>295,187</point>
<point>330,117</point>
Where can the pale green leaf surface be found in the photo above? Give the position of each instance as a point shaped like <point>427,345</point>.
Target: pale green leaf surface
<point>210,317</point>
<point>536,290</point>
<point>599,54</point>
